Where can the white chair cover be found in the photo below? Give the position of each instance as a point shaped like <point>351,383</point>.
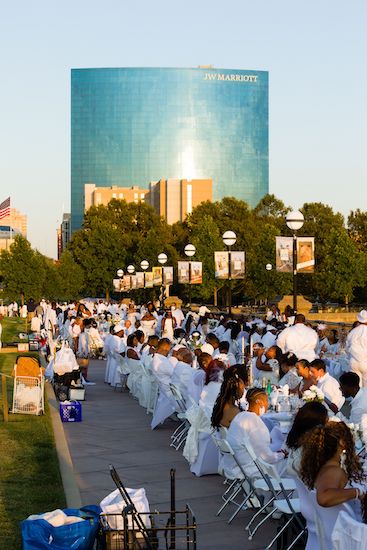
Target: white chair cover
<point>164,407</point>
<point>308,512</point>
<point>349,534</point>
<point>199,422</point>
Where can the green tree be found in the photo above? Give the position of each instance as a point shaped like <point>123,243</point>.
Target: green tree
<point>357,227</point>
<point>343,269</point>
<point>71,277</point>
<point>22,270</point>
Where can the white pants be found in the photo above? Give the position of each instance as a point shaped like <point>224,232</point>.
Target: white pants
<point>360,368</point>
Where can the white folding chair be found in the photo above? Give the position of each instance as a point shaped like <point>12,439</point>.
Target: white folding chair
<point>281,490</point>
<point>237,485</point>
<point>179,435</point>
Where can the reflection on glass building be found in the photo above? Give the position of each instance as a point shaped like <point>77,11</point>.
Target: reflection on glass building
<point>131,126</point>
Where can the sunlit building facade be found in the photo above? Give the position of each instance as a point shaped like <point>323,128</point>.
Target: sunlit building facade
<point>132,126</point>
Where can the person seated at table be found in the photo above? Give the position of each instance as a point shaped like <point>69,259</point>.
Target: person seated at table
<point>162,368</point>
<point>350,387</point>
<point>333,341</point>
<point>211,389</point>
<point>329,464</point>
<point>290,375</point>
<point>270,367</point>
<point>303,370</point>
<point>309,416</point>
<point>183,374</point>
<point>131,351</point>
<point>224,354</point>
<point>328,385</point>
<point>242,425</point>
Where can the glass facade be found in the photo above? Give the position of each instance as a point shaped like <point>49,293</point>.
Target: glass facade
<point>130,126</point>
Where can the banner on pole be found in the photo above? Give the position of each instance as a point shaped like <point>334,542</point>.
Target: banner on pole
<point>117,287</point>
<point>183,272</point>
<point>149,279</point>
<point>139,279</point>
<point>237,265</point>
<point>221,265</point>
<point>126,283</point>
<point>132,281</point>
<point>284,254</point>
<point>196,273</point>
<point>157,276</point>
<point>305,254</point>
<point>168,275</point>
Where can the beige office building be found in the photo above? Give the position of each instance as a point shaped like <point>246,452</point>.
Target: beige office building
<point>94,196</point>
<point>173,199</point>
<point>10,226</point>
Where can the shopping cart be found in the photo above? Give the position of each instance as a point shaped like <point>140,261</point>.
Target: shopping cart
<point>173,530</point>
<point>28,393</point>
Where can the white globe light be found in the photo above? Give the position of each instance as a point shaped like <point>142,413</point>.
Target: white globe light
<point>269,267</point>
<point>229,238</point>
<point>130,268</point>
<point>162,258</point>
<point>190,250</point>
<point>295,220</point>
<point>120,273</point>
<point>144,264</point>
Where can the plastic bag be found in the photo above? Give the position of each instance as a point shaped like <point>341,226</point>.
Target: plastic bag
<point>114,504</point>
<point>65,361</point>
<point>38,534</point>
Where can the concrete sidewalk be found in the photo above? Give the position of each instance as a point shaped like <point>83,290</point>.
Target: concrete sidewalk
<point>115,429</point>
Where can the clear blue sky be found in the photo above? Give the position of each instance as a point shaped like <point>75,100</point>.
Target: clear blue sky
<point>315,52</point>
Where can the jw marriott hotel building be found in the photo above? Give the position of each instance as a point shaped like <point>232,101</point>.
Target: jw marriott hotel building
<point>134,126</point>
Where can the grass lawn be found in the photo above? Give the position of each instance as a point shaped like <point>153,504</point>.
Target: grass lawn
<point>12,326</point>
<point>30,481</point>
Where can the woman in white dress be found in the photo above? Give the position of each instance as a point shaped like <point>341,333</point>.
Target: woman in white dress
<point>168,325</point>
<point>148,323</point>
<point>211,389</point>
<point>333,473</point>
<point>241,425</point>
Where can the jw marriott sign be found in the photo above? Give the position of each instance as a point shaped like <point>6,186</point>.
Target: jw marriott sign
<point>231,77</point>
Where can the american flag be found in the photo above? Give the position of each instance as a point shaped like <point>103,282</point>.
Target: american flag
<point>5,208</point>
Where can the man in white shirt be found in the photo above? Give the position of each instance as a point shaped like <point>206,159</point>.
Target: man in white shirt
<point>183,374</point>
<point>203,310</point>
<point>350,387</point>
<point>162,367</point>
<point>356,347</point>
<point>177,314</point>
<point>299,339</point>
<point>269,339</point>
<point>327,384</point>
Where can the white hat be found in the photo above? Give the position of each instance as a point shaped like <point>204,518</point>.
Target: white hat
<point>271,328</point>
<point>322,326</point>
<point>362,316</point>
<point>118,328</point>
<point>207,348</point>
<point>261,325</point>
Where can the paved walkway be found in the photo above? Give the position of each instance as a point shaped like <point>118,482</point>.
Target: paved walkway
<point>115,429</point>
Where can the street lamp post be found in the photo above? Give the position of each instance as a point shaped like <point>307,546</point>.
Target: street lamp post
<point>268,267</point>
<point>120,274</point>
<point>144,264</point>
<point>130,269</point>
<point>295,221</point>
<point>162,259</point>
<point>229,239</point>
<point>190,252</point>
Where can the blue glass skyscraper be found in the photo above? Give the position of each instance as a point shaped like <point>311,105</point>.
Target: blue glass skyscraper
<point>130,126</point>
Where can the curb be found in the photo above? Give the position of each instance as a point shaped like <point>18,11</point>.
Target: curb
<point>71,489</point>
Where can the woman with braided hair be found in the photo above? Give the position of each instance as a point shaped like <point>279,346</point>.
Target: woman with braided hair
<point>241,425</point>
<point>330,465</point>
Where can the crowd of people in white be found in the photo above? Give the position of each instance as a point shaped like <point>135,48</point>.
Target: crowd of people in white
<point>275,405</point>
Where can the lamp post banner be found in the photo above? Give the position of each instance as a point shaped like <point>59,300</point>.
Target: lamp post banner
<point>221,265</point>
<point>133,281</point>
<point>183,273</point>
<point>168,275</point>
<point>157,275</point>
<point>305,254</point>
<point>196,273</point>
<point>237,265</point>
<point>139,279</point>
<point>149,279</point>
<point>284,254</point>
<point>126,283</point>
<point>117,287</point>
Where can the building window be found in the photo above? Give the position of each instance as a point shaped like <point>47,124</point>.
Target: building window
<point>98,198</point>
<point>114,195</point>
<point>121,195</point>
<point>136,195</point>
